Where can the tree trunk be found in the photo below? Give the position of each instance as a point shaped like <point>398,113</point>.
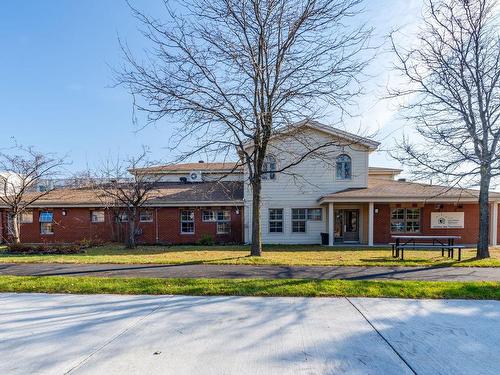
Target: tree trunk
<point>256,249</point>
<point>484,218</point>
<point>130,243</point>
<point>15,229</point>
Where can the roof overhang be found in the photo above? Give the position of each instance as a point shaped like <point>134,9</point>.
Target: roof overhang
<point>403,200</point>
<point>150,205</point>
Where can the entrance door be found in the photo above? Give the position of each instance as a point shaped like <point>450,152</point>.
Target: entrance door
<point>346,226</point>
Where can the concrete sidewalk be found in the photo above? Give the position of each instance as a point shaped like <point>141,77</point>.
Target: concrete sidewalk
<point>259,272</point>
<point>103,334</point>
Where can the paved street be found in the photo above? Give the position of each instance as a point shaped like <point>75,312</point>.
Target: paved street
<point>104,334</point>
<point>259,272</point>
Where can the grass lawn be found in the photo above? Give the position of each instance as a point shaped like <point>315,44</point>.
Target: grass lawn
<point>273,255</point>
<point>267,288</point>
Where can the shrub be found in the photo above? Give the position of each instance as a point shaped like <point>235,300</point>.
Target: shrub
<point>27,249</point>
<point>206,240</point>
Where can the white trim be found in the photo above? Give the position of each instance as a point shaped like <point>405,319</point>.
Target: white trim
<point>494,224</point>
<point>330,224</point>
<point>371,209</point>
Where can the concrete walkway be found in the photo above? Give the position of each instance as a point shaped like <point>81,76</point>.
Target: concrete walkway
<point>263,272</point>
<point>104,334</point>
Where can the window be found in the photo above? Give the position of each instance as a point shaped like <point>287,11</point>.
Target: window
<point>209,216</point>
<point>343,167</point>
<point>223,222</point>
<point>146,216</point>
<point>314,214</point>
<point>187,221</point>
<point>269,168</point>
<point>122,217</point>
<point>26,217</point>
<point>299,217</point>
<point>405,220</point>
<point>46,219</point>
<point>97,216</point>
<point>276,220</point>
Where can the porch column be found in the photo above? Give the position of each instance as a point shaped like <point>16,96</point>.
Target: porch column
<point>494,224</point>
<point>330,224</point>
<point>370,223</point>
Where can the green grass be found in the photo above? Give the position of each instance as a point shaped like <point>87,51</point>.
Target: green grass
<point>313,255</point>
<point>252,287</point>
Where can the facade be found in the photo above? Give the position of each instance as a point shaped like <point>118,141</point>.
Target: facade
<point>318,186</point>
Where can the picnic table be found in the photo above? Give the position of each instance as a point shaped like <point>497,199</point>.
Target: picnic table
<point>418,242</point>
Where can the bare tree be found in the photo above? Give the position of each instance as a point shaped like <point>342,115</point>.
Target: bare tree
<point>235,73</point>
<point>126,191</point>
<point>453,98</point>
<point>22,169</point>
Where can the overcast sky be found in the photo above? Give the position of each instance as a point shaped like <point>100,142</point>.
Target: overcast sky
<point>55,78</point>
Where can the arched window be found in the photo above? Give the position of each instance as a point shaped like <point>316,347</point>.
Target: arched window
<point>343,167</point>
<point>269,168</point>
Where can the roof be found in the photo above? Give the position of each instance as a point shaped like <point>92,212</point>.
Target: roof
<point>382,170</point>
<point>167,194</point>
<point>402,191</point>
<point>188,167</point>
<point>307,123</point>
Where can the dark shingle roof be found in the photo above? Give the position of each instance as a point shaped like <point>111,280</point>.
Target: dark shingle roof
<point>387,189</point>
<point>228,192</point>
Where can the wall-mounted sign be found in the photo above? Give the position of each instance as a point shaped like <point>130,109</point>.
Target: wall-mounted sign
<point>447,219</point>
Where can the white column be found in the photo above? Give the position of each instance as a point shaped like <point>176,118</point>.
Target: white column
<point>371,210</point>
<point>330,224</point>
<point>494,224</point>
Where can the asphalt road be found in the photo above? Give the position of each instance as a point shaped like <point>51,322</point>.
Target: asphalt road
<point>262,272</point>
<point>104,334</point>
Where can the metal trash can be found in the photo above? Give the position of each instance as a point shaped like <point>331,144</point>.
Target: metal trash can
<point>324,238</point>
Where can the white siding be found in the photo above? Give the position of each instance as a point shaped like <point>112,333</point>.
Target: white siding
<point>302,185</point>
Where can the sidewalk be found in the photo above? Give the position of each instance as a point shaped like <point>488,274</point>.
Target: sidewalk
<point>258,272</point>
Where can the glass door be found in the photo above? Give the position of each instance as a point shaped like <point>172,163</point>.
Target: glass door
<point>351,225</point>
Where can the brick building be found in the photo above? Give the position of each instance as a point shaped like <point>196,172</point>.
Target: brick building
<point>337,194</point>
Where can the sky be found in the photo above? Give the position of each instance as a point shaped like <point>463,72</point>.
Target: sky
<point>56,79</point>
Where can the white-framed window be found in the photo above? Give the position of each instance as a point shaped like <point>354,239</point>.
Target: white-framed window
<point>187,221</point>
<point>405,220</point>
<point>223,222</point>
<point>46,220</point>
<point>26,217</point>
<point>97,216</point>
<point>269,168</point>
<point>299,217</point>
<point>315,214</point>
<point>209,216</point>
<point>343,167</point>
<point>275,220</point>
<point>146,216</point>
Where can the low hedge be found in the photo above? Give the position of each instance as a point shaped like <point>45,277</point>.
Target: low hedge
<point>29,249</point>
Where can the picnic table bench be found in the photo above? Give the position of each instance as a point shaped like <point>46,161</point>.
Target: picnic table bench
<point>417,242</point>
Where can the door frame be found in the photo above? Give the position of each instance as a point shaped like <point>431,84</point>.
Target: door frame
<point>343,212</point>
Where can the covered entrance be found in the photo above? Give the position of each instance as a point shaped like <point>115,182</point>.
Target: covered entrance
<point>346,225</point>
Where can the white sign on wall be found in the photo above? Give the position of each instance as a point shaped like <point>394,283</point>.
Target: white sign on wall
<point>447,219</point>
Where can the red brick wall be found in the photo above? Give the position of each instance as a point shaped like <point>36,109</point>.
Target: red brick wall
<point>469,234</point>
<point>76,226</point>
